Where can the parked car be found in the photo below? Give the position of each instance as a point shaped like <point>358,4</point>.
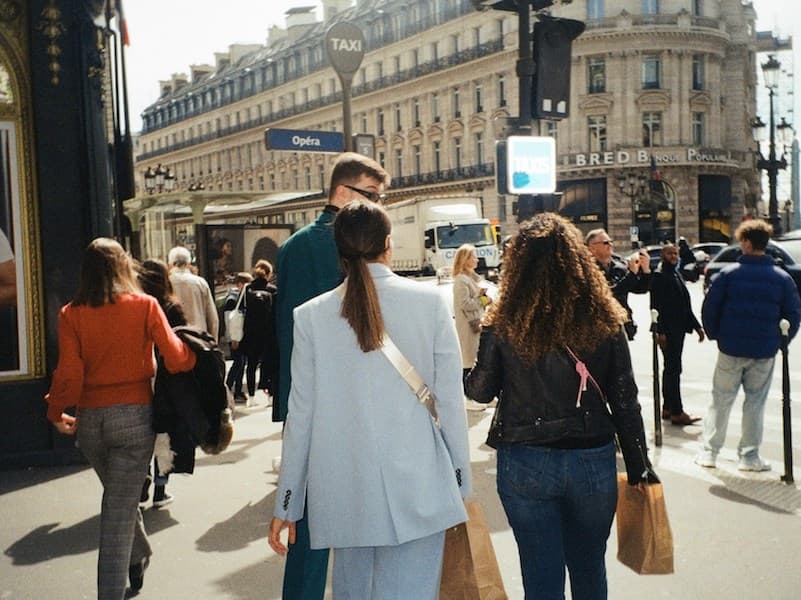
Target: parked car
<point>781,256</point>
<point>711,249</point>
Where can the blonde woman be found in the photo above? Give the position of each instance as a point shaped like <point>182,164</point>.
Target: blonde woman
<point>469,301</point>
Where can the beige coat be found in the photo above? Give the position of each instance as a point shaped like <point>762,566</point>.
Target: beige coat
<point>467,306</point>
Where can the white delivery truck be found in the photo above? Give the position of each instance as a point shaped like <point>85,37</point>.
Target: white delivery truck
<point>426,232</point>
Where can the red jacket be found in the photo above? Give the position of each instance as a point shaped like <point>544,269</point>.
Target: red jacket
<point>106,354</point>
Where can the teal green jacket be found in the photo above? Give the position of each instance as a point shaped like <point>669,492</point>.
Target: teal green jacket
<point>307,266</point>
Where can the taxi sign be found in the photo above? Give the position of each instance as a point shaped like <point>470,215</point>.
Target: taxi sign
<point>530,164</point>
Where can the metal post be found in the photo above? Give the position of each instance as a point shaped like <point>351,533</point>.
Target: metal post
<point>655,368</point>
<point>525,62</point>
<point>784,326</point>
<point>773,170</point>
<point>347,121</point>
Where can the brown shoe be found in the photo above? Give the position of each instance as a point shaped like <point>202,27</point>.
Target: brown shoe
<point>665,414</point>
<point>684,419</point>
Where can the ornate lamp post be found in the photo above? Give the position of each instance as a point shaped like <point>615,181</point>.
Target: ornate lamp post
<point>161,172</point>
<point>633,186</point>
<point>169,181</point>
<point>150,180</point>
<point>771,165</point>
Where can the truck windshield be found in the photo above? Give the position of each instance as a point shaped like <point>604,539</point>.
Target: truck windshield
<point>453,236</point>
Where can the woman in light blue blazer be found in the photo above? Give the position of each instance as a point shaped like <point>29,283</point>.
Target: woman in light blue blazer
<point>382,482</point>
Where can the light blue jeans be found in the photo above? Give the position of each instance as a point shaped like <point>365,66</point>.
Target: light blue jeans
<point>755,375</point>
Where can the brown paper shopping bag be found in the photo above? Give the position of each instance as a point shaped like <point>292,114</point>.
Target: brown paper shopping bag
<point>469,566</point>
<point>644,539</point>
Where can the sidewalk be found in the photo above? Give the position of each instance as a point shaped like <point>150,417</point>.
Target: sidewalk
<point>736,535</point>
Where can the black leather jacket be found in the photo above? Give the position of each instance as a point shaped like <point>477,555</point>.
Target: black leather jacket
<point>537,404</point>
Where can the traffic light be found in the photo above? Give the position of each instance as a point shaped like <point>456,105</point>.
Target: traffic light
<point>553,39</point>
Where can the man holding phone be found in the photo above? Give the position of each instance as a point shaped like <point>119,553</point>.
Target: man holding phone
<point>624,277</point>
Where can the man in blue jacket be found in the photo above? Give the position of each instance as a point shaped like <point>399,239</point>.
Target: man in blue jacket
<point>307,266</point>
<point>742,311</point>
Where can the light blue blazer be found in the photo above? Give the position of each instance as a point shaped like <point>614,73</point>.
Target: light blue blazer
<point>357,443</point>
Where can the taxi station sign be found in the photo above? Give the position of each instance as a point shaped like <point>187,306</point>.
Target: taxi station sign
<point>304,140</point>
<point>530,164</point>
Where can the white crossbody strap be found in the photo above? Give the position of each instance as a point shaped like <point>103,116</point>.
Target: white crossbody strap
<point>411,377</point>
<point>406,370</point>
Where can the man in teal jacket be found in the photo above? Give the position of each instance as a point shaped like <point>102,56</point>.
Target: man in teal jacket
<point>307,266</point>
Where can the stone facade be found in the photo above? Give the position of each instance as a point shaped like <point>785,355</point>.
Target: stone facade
<point>436,76</point>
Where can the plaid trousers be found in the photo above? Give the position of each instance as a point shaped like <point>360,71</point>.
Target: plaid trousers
<point>118,443</point>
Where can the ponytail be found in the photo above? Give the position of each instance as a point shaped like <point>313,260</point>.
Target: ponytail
<point>361,308</point>
<point>360,230</point>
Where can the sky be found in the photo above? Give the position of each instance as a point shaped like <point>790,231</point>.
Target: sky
<point>166,36</point>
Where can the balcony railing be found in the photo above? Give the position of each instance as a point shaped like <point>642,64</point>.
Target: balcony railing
<point>464,56</point>
<point>292,71</point>
<point>444,176</point>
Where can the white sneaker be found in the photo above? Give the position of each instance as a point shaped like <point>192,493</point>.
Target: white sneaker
<point>753,464</point>
<point>473,405</point>
<point>706,458</point>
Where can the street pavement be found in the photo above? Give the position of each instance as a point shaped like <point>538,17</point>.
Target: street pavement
<point>736,535</point>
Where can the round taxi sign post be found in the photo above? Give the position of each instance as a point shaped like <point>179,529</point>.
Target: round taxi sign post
<point>344,44</point>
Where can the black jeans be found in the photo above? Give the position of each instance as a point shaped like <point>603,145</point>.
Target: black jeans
<point>671,376</point>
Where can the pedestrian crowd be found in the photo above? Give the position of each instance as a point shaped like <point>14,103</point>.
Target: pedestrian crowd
<point>371,374</point>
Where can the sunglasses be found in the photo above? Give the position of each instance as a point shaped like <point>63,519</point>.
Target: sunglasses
<point>604,242</point>
<point>371,196</point>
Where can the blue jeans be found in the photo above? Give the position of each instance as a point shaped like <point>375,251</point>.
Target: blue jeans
<point>560,505</point>
<point>755,375</point>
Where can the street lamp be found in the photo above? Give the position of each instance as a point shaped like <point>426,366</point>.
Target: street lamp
<point>771,165</point>
<point>161,172</point>
<point>169,181</point>
<point>633,187</point>
<point>150,180</point>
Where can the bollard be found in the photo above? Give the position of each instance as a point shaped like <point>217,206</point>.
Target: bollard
<point>657,402</point>
<point>784,326</point>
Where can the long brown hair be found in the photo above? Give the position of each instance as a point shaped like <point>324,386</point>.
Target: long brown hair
<point>361,230</point>
<point>552,293</point>
<point>154,277</point>
<point>106,270</point>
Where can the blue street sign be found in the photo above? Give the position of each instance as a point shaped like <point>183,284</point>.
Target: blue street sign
<point>530,164</point>
<point>303,140</point>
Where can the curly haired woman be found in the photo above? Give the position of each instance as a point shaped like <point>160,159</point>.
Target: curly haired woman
<point>554,352</point>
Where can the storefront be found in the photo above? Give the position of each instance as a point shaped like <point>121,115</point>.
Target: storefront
<point>656,195</point>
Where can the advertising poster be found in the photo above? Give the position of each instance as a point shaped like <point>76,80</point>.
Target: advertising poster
<point>13,349</point>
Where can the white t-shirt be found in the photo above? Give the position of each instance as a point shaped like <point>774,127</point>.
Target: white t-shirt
<point>5,249</point>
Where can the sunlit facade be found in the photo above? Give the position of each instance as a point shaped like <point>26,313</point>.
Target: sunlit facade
<point>672,79</point>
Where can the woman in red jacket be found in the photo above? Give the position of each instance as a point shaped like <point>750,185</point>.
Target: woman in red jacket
<point>105,339</point>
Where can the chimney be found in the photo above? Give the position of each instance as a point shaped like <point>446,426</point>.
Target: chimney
<point>334,7</point>
<point>200,71</point>
<point>298,21</point>
<point>275,34</point>
<point>221,60</point>
<point>179,80</point>
<point>237,51</point>
<point>165,87</point>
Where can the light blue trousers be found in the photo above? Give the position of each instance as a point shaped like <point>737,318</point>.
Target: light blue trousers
<point>410,570</point>
<point>754,374</point>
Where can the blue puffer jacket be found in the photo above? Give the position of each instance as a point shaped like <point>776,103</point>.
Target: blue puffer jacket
<point>744,305</point>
